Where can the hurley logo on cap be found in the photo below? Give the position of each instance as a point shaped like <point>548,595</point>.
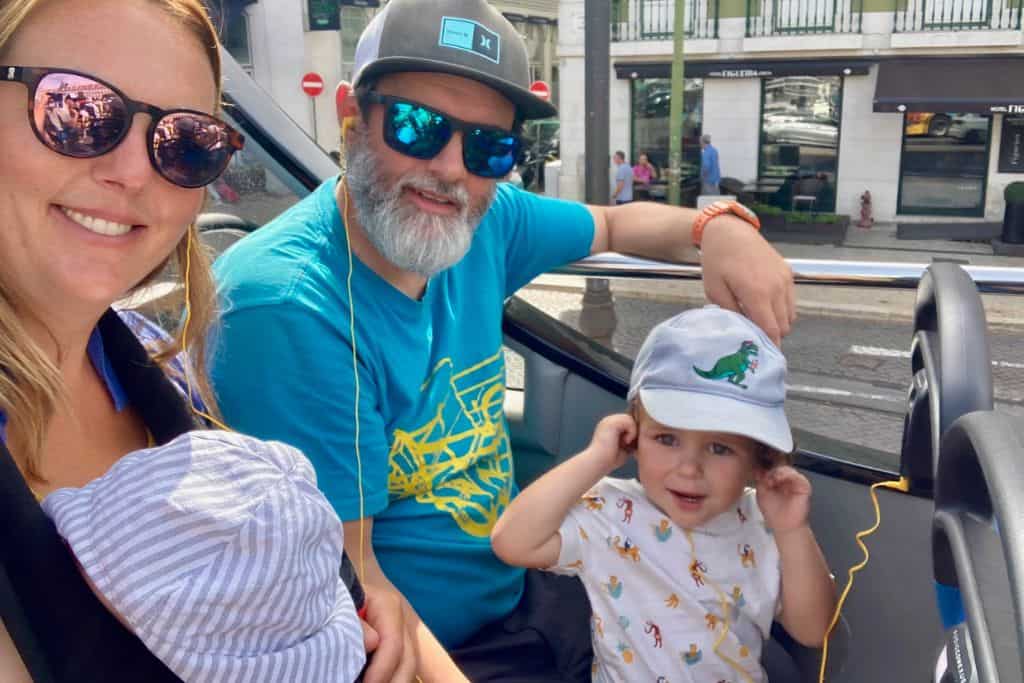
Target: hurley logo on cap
<point>470,36</point>
<point>733,367</point>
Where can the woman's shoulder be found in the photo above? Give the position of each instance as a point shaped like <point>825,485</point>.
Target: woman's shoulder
<point>145,330</point>
<point>155,339</point>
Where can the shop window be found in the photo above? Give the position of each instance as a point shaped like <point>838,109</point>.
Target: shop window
<point>620,11</point>
<point>233,26</point>
<point>651,105</point>
<point>800,141</point>
<point>354,21</point>
<point>944,167</point>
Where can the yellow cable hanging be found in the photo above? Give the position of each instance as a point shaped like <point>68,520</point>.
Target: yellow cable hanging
<point>902,484</point>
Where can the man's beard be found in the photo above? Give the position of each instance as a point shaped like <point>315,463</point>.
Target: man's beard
<point>408,237</point>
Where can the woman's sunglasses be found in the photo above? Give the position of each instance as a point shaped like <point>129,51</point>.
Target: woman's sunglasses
<point>80,116</point>
<point>418,131</point>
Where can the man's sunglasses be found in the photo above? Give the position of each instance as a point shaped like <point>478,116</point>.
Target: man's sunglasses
<point>418,131</point>
<point>81,116</point>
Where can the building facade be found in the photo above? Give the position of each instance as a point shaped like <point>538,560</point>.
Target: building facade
<point>813,102</point>
<point>279,41</point>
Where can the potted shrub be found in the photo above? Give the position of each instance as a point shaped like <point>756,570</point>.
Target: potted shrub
<point>1013,216</point>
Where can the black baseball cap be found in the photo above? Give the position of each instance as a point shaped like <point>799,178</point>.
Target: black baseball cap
<point>467,38</point>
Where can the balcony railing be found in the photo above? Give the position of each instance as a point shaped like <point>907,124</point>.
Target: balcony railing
<point>655,19</point>
<point>957,15</point>
<point>801,17</point>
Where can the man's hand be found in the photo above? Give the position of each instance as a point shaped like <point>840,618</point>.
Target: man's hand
<point>386,638</point>
<point>743,273</point>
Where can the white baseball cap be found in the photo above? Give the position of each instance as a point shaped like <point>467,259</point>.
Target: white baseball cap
<point>709,369</point>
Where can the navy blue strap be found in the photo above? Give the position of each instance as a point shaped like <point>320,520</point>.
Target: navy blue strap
<point>17,624</point>
<point>53,616</point>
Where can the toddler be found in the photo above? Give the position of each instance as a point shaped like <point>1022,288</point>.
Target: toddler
<point>685,566</point>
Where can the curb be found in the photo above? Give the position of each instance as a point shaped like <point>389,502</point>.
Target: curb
<point>811,307</point>
<point>835,310</point>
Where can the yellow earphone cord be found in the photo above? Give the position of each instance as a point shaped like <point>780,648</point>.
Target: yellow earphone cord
<point>361,563</point>
<point>723,605</point>
<point>902,484</point>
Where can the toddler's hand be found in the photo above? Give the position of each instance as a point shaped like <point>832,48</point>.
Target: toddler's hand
<point>614,439</point>
<point>784,496</point>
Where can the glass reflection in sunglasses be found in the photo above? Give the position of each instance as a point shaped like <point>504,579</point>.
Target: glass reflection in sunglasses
<point>419,131</point>
<point>81,116</point>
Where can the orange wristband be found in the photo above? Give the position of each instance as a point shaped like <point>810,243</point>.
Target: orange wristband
<point>718,209</point>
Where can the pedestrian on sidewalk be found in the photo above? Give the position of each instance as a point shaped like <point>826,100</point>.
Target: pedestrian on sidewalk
<point>710,173</point>
<point>623,193</point>
<point>644,173</point>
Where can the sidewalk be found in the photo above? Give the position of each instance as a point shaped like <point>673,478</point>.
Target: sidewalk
<point>878,243</point>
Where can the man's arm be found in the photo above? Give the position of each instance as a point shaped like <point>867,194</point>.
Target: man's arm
<point>742,272</point>
<point>428,655</point>
<point>527,535</point>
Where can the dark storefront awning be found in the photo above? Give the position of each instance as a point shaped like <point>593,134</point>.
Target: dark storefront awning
<point>744,69</point>
<point>966,84</point>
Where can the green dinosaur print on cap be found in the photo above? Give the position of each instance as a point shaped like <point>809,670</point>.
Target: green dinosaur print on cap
<point>733,367</point>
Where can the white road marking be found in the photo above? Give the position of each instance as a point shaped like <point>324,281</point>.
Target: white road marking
<point>878,351</point>
<point>897,353</point>
<point>840,393</point>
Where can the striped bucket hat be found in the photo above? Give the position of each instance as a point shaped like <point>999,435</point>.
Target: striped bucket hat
<point>221,554</point>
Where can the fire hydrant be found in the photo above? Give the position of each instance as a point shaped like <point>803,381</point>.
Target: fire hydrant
<point>866,220</point>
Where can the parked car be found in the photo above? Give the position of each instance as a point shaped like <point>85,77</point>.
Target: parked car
<point>540,145</point>
<point>970,128</point>
<point>542,134</point>
<point>800,130</point>
<point>927,123</point>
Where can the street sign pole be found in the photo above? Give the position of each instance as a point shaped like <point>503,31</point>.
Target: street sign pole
<point>675,115</point>
<point>597,46</point>
<point>597,315</point>
<point>312,84</point>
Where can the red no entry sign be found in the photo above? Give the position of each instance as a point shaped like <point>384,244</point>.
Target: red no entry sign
<point>541,90</point>
<point>312,84</point>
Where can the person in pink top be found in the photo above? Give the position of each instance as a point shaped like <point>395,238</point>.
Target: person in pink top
<point>643,173</point>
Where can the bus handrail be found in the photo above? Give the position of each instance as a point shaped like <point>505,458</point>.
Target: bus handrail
<point>989,279</point>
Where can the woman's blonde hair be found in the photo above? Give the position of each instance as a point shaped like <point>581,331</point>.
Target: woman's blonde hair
<point>31,386</point>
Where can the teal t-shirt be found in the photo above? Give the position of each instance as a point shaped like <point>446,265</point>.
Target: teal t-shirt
<point>436,463</point>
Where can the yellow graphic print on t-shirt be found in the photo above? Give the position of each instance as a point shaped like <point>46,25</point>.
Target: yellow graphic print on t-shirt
<point>459,461</point>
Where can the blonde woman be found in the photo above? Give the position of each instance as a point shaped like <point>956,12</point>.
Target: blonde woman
<point>90,208</point>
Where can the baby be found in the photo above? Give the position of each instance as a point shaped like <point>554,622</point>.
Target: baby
<point>219,552</point>
<point>686,567</point>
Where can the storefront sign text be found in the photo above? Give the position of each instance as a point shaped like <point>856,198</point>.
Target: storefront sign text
<point>324,15</point>
<point>741,73</point>
<point>1011,145</point>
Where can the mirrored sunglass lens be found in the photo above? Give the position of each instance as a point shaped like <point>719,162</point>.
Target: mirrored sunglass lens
<point>190,149</point>
<point>77,116</point>
<point>416,131</point>
<point>490,153</point>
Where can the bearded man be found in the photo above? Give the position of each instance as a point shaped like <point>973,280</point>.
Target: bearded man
<point>364,327</point>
